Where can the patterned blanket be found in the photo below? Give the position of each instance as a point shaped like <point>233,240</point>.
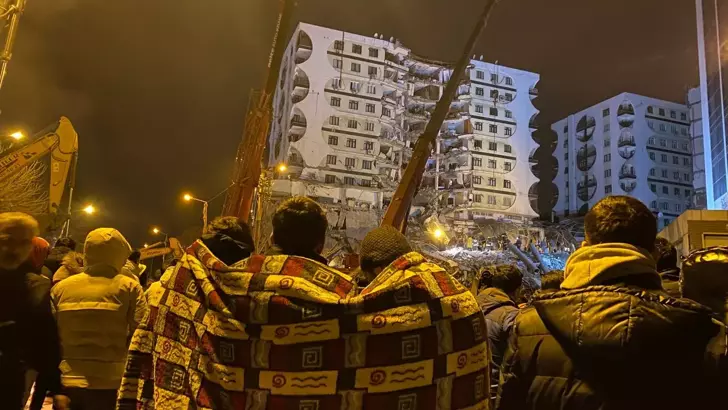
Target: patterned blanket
<point>283,332</point>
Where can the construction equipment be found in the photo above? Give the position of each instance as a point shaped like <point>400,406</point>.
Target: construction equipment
<point>10,11</point>
<point>398,210</point>
<point>173,246</point>
<point>248,160</point>
<point>61,142</point>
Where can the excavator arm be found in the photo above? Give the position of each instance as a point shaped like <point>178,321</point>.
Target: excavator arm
<point>60,141</point>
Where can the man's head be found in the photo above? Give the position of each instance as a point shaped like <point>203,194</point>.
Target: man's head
<point>704,278</point>
<point>229,238</point>
<point>621,219</point>
<point>665,255</point>
<point>507,278</point>
<point>381,246</point>
<point>135,256</point>
<point>106,248</point>
<point>66,242</point>
<point>39,252</point>
<point>17,231</point>
<point>552,280</point>
<point>299,226</point>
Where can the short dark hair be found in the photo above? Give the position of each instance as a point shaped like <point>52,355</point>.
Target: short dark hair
<point>552,280</point>
<point>66,242</point>
<point>666,255</point>
<point>621,219</point>
<point>299,226</point>
<point>233,227</point>
<point>135,256</point>
<point>507,278</point>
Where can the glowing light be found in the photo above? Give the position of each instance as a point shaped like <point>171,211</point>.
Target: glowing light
<point>146,245</point>
<point>156,231</point>
<point>89,209</point>
<point>437,233</point>
<point>282,168</point>
<point>17,135</point>
<point>187,197</point>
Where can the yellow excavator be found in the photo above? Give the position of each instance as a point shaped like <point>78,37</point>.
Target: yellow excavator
<point>60,141</point>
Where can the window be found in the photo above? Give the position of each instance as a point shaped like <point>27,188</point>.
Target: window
<point>479,91</point>
<point>478,198</point>
<point>662,111</point>
<point>331,159</point>
<point>493,111</point>
<point>494,94</point>
<point>673,129</point>
<point>366,182</point>
<point>683,131</point>
<point>663,157</point>
<point>674,145</point>
<point>665,190</point>
<point>676,192</point>
<point>335,102</point>
<point>652,172</point>
<point>491,200</point>
<point>452,166</point>
<point>683,116</point>
<point>339,45</point>
<point>607,189</point>
<point>509,97</point>
<point>650,110</point>
<point>566,129</point>
<point>477,180</point>
<point>370,108</point>
<point>372,71</point>
<point>356,48</point>
<point>492,164</point>
<point>566,170</point>
<point>478,108</point>
<point>673,114</point>
<point>506,201</point>
<point>686,161</point>
<point>509,114</point>
<point>477,162</point>
<point>653,188</point>
<point>509,131</point>
<point>373,52</point>
<point>370,126</point>
<point>333,140</point>
<point>338,64</point>
<point>491,182</point>
<point>350,162</point>
<point>663,127</point>
<point>355,86</point>
<point>351,124</point>
<point>493,128</point>
<point>509,81</point>
<point>366,164</point>
<point>606,127</point>
<point>371,89</point>
<point>334,120</point>
<point>508,166</point>
<point>349,181</point>
<point>675,160</point>
<point>686,177</point>
<point>663,143</point>
<point>368,145</point>
<point>494,78</point>
<point>507,148</point>
<point>652,156</point>
<point>330,179</point>
<point>480,75</point>
<point>651,141</point>
<point>353,105</point>
<point>350,143</point>
<point>493,146</point>
<point>664,173</point>
<point>676,175</point>
<point>506,184</point>
<point>478,126</point>
<point>605,112</point>
<point>685,146</point>
<point>687,193</point>
<point>678,208</point>
<point>336,83</point>
<point>566,155</point>
<point>386,112</point>
<point>607,173</point>
<point>607,157</point>
<point>478,144</point>
<point>607,141</point>
<point>356,67</point>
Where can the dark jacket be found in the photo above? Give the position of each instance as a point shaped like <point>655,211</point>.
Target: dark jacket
<point>500,314</point>
<point>55,259</point>
<point>616,346</point>
<point>671,282</point>
<point>28,334</point>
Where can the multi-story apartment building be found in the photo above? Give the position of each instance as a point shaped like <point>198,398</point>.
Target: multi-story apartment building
<point>712,18</point>
<point>627,145</point>
<point>350,108</point>
<point>695,107</point>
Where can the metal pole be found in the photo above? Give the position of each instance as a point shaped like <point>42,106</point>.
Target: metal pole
<point>204,216</point>
<point>13,13</point>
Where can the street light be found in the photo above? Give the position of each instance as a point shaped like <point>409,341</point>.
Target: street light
<point>146,245</point>
<point>89,209</point>
<point>437,233</point>
<point>188,198</point>
<point>17,135</point>
<point>282,168</point>
<point>157,231</point>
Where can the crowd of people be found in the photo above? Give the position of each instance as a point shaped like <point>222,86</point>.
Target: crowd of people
<point>226,327</point>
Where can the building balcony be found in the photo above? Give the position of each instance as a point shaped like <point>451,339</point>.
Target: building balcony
<point>626,141</point>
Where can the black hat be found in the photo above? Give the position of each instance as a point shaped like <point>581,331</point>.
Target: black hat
<point>381,247</point>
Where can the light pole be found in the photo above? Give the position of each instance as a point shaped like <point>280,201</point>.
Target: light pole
<point>157,231</point>
<point>189,198</point>
<point>89,210</point>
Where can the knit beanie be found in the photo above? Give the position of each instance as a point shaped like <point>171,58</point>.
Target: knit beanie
<point>381,247</point>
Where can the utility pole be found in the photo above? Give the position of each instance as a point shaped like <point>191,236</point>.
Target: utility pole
<point>10,11</point>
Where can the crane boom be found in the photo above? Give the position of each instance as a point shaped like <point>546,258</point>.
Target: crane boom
<point>398,209</point>
<point>60,140</point>
<point>12,13</point>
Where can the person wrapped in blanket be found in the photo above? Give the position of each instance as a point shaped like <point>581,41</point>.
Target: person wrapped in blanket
<point>284,330</point>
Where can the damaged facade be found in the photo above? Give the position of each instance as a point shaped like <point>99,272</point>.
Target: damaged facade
<point>349,109</point>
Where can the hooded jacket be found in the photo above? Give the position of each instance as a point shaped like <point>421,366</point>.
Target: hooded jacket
<point>54,260</point>
<point>96,310</point>
<point>606,342</point>
<point>500,314</point>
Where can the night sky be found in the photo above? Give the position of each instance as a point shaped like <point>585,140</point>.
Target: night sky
<point>157,90</point>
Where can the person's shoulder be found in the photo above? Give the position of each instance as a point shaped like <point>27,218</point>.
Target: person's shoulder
<point>529,323</point>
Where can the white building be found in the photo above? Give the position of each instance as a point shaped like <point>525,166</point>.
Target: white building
<point>350,107</point>
<point>695,108</point>
<point>627,145</point>
<point>712,19</point>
